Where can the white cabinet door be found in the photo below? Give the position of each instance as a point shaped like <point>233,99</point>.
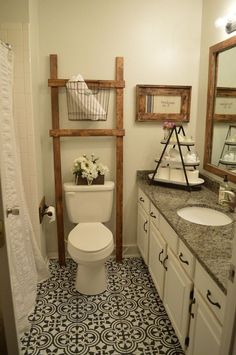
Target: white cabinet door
<point>177,296</point>
<point>143,233</point>
<point>205,330</point>
<point>157,253</point>
<point>210,292</point>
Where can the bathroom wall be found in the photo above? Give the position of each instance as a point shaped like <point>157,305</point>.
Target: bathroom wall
<point>212,9</point>
<point>160,43</point>
<point>14,11</point>
<point>16,30</point>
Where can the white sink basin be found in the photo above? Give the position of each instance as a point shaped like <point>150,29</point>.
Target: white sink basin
<point>203,215</point>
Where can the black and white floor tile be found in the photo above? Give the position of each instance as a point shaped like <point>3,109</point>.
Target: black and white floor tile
<point>128,318</point>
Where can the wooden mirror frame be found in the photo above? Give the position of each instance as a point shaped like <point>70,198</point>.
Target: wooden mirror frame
<point>214,51</point>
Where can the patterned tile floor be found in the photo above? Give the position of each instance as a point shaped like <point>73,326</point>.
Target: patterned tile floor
<point>128,318</point>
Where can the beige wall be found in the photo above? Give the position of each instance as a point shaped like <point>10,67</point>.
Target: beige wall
<point>14,11</point>
<point>160,43</point>
<point>212,9</point>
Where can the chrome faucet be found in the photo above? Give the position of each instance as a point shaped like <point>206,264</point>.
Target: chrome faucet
<point>230,200</point>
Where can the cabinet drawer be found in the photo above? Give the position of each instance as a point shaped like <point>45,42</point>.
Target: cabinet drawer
<point>154,215</point>
<point>211,293</point>
<point>168,233</point>
<point>143,200</point>
<point>186,259</point>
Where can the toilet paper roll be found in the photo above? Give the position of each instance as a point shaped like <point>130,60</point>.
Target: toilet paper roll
<point>51,214</point>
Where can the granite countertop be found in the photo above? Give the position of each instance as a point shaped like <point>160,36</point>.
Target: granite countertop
<point>212,246</point>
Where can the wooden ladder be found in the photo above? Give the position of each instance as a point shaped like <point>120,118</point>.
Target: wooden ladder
<point>118,132</point>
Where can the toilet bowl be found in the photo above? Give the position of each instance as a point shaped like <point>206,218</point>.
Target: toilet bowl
<point>90,243</point>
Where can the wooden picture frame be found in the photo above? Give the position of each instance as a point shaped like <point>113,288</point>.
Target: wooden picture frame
<point>163,102</point>
<point>225,104</point>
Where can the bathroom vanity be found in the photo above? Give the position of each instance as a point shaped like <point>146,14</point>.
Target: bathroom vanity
<point>189,263</point>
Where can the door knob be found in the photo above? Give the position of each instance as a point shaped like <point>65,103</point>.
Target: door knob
<point>14,211</point>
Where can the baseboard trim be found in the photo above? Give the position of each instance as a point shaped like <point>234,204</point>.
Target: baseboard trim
<point>52,255</point>
<point>129,251</point>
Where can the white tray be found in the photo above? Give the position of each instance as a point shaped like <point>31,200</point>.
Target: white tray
<point>199,181</point>
<point>174,142</point>
<point>177,163</point>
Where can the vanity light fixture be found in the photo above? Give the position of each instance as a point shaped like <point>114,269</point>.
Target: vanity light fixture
<point>231,25</point>
<point>228,22</point>
<point>221,22</point>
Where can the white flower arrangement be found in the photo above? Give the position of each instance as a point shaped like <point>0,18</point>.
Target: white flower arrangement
<point>88,168</point>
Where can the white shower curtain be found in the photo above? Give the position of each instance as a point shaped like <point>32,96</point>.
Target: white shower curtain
<point>27,266</point>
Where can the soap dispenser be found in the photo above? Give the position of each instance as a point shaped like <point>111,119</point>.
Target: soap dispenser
<point>224,186</point>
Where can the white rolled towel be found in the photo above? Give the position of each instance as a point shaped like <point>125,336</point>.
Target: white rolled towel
<point>83,98</point>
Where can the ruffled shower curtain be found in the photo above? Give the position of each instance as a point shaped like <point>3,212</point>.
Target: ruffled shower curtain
<point>27,266</point>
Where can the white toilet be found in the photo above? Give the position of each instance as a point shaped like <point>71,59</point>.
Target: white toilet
<point>90,243</point>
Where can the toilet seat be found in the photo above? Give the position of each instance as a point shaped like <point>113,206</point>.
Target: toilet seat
<point>90,242</point>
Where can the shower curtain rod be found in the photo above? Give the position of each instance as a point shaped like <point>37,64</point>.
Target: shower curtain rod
<point>7,45</point>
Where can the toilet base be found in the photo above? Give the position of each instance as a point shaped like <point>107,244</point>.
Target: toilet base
<point>91,279</point>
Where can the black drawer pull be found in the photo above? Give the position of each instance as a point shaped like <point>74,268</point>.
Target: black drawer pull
<point>152,215</point>
<point>141,199</point>
<point>182,260</point>
<point>190,308</point>
<point>214,303</point>
<point>164,262</point>
<point>159,256</point>
<point>145,223</point>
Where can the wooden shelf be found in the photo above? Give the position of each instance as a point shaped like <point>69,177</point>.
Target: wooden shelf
<point>86,132</point>
<point>102,83</point>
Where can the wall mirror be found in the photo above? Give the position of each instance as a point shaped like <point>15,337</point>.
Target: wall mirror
<point>220,140</point>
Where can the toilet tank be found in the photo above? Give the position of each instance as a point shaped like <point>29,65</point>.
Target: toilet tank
<point>89,203</point>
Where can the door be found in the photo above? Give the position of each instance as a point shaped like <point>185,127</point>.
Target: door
<point>142,233</point>
<point>177,291</point>
<point>157,254</point>
<point>205,330</point>
<point>8,335</point>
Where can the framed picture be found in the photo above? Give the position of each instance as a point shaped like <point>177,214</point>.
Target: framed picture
<point>225,104</point>
<point>162,102</point>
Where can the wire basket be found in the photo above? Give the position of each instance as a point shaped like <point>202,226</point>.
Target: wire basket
<point>87,103</point>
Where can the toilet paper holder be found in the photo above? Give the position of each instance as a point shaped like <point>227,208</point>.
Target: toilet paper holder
<point>43,210</point>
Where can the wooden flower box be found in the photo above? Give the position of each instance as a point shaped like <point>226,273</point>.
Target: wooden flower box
<point>79,180</point>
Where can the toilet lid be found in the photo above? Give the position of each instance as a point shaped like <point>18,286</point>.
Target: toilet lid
<point>90,237</point>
